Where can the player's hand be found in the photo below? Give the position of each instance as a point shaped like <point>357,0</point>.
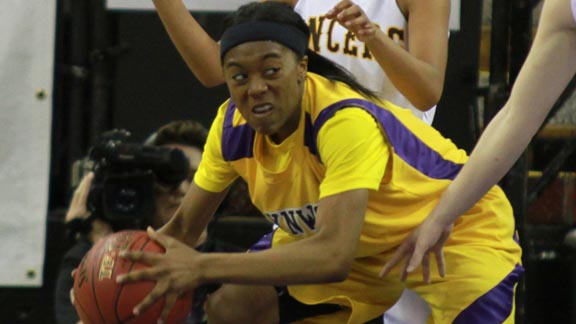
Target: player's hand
<point>78,205</point>
<point>352,17</point>
<point>428,237</point>
<point>173,272</point>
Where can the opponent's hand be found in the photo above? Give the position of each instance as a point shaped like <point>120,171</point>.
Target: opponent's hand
<point>428,237</point>
<point>352,17</point>
<point>78,205</point>
<point>173,271</point>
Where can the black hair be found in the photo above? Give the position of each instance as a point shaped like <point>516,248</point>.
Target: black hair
<point>184,132</point>
<point>283,13</point>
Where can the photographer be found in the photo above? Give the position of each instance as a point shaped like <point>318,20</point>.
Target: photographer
<point>91,224</point>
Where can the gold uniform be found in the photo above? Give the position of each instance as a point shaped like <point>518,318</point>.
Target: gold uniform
<point>346,142</point>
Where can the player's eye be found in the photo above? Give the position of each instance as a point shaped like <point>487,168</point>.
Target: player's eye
<point>239,77</point>
<point>271,71</point>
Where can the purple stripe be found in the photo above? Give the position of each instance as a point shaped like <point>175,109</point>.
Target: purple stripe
<point>496,305</point>
<point>309,135</point>
<point>264,243</point>
<point>237,142</point>
<point>406,145</point>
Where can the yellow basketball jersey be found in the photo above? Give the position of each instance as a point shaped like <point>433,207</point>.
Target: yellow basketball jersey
<point>347,142</point>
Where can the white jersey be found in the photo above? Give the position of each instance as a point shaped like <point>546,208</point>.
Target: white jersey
<point>574,9</point>
<point>333,41</point>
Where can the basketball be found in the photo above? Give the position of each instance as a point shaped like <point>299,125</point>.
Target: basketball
<point>100,300</point>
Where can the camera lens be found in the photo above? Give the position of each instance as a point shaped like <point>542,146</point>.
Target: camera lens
<point>127,200</point>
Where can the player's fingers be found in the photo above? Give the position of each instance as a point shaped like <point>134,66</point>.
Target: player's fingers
<point>440,262</point>
<point>416,258</point>
<point>356,23</point>
<point>404,273</point>
<point>148,273</point>
<point>394,260</point>
<point>142,257</point>
<point>348,14</point>
<point>162,239</point>
<point>156,293</point>
<point>426,267</point>
<point>169,302</point>
<point>342,5</point>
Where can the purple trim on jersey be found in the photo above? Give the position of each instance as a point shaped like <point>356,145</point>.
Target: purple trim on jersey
<point>496,305</point>
<point>264,243</point>
<point>406,145</point>
<point>237,142</point>
<point>309,135</point>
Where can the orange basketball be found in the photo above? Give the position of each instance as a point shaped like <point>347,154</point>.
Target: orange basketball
<point>100,300</point>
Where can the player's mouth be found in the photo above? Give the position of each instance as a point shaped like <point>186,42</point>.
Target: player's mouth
<point>262,110</point>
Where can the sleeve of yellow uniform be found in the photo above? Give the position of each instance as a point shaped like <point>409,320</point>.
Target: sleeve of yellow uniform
<point>354,151</point>
<point>214,174</point>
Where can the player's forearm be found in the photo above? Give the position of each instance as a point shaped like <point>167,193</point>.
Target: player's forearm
<point>200,52</point>
<point>194,214</point>
<point>420,82</point>
<point>302,262</point>
<point>491,159</point>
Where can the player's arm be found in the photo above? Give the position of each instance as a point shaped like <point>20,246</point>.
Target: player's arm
<point>211,182</point>
<point>418,73</point>
<point>325,256</point>
<point>200,52</point>
<point>352,149</point>
<point>194,214</point>
<point>548,69</point>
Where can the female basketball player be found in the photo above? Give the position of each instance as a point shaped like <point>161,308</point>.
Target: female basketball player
<point>344,176</point>
<point>397,48</point>
<point>551,58</point>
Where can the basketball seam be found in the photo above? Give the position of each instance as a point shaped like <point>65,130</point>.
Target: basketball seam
<point>78,304</point>
<point>96,295</point>
<point>132,316</point>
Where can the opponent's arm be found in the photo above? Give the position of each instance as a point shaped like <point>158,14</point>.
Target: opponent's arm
<point>200,52</point>
<point>549,67</point>
<point>418,73</point>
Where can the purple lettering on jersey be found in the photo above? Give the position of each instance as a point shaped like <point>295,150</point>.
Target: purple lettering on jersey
<point>291,222</point>
<point>308,216</point>
<point>297,221</point>
<point>274,217</point>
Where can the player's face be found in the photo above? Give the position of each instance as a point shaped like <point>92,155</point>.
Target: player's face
<point>266,83</point>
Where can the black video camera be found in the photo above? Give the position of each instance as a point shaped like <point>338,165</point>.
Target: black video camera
<point>122,191</point>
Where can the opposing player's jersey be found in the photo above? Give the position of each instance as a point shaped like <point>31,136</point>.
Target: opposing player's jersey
<point>346,142</point>
<point>574,9</point>
<point>335,42</point>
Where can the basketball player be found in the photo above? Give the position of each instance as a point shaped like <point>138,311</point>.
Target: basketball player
<point>344,176</point>
<point>397,48</point>
<point>552,58</point>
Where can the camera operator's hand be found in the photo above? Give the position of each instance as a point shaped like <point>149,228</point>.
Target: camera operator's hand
<point>78,206</point>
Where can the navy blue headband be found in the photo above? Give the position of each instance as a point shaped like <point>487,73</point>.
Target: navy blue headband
<point>284,34</point>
